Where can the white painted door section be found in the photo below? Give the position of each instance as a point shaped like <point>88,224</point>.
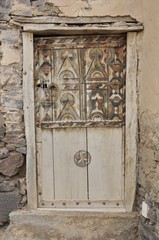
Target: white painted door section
<point>80,113</point>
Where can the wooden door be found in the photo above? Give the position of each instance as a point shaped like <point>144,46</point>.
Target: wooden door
<point>80,101</point>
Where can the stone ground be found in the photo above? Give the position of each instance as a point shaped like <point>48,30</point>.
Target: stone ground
<point>64,225</point>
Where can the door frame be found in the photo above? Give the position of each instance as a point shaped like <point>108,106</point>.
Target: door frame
<point>131,121</point>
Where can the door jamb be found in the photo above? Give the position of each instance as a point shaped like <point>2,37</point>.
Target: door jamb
<point>131,126</point>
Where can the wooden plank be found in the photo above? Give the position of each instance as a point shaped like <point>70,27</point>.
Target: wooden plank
<point>82,124</point>
<point>39,161</point>
<point>47,166</point>
<point>131,122</point>
<point>70,180</point>
<point>53,29</point>
<point>38,135</point>
<point>82,204</point>
<point>72,20</point>
<point>28,96</point>
<point>105,170</point>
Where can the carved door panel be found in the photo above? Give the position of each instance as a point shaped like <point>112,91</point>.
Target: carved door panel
<point>80,100</point>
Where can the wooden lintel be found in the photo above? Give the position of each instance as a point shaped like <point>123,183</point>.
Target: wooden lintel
<point>53,29</point>
<point>73,20</point>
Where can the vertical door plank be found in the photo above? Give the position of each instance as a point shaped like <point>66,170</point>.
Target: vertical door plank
<point>39,161</point>
<point>70,180</point>
<point>47,165</point>
<point>29,117</point>
<point>105,169</point>
<point>131,125</point>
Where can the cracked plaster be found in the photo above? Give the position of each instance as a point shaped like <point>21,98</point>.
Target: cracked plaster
<point>74,8</point>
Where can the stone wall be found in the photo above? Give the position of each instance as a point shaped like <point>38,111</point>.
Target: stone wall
<point>12,137</point>
<point>148,180</point>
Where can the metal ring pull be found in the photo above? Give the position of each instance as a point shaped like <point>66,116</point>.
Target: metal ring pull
<point>82,158</point>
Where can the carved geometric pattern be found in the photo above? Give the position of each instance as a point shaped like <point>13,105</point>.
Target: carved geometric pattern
<point>80,79</point>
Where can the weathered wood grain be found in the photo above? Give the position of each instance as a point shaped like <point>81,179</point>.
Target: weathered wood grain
<point>28,95</point>
<point>53,29</point>
<point>70,180</point>
<point>47,166</point>
<point>105,170</point>
<point>73,20</point>
<point>131,122</point>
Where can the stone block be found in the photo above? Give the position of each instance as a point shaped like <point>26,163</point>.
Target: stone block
<point>6,36</point>
<point>10,166</point>
<point>156,156</point>
<point>12,102</point>
<point>9,201</point>
<point>14,114</point>
<point>11,75</point>
<point>12,136</point>
<point>22,150</point>
<point>5,3</point>
<point>4,153</point>
<point>26,2</point>
<point>10,55</point>
<point>7,73</point>
<point>38,2</point>
<point>4,17</point>
<point>152,216</point>
<point>67,225</point>
<point>7,186</point>
<point>20,142</point>
<point>2,144</point>
<point>2,232</point>
<point>10,147</point>
<point>2,127</point>
<point>22,186</point>
<point>21,8</point>
<point>49,9</point>
<point>24,200</point>
<point>147,231</point>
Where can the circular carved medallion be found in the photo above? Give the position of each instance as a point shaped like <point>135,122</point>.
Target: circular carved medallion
<point>82,158</point>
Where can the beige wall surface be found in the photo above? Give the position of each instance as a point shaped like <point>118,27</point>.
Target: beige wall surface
<point>148,179</point>
<point>149,86</point>
<point>149,100</point>
<point>76,8</point>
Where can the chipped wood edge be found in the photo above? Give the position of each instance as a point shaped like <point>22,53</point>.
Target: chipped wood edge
<point>73,20</point>
<point>53,28</point>
<point>28,96</point>
<point>131,122</point>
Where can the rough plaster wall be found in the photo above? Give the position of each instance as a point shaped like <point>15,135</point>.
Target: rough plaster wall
<point>101,7</point>
<point>149,121</point>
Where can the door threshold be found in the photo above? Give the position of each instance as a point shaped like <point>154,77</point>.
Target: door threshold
<point>109,210</point>
<point>38,224</point>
